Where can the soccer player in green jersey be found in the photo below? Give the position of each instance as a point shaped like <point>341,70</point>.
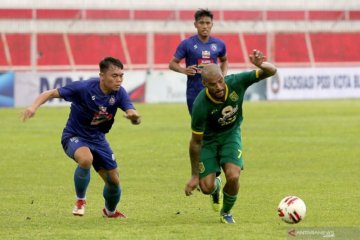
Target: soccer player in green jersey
<point>216,138</point>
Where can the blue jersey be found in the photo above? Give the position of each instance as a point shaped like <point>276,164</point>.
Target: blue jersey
<point>199,53</point>
<point>92,112</point>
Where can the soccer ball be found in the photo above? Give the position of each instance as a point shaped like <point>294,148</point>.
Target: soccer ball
<point>292,209</point>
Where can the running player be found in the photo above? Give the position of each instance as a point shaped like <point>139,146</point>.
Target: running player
<point>94,104</point>
<point>216,135</point>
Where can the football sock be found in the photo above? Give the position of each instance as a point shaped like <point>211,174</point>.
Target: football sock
<point>217,186</point>
<point>112,194</point>
<point>228,203</point>
<point>81,180</point>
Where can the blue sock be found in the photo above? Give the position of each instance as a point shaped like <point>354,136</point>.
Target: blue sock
<point>112,194</point>
<point>81,180</point>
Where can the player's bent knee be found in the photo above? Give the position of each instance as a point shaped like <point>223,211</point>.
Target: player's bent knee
<point>206,188</point>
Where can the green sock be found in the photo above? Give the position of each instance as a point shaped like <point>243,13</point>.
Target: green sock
<point>228,203</point>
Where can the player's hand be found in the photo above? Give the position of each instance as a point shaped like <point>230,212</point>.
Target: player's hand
<point>191,185</point>
<point>191,70</point>
<point>133,116</point>
<point>26,114</point>
<point>257,58</point>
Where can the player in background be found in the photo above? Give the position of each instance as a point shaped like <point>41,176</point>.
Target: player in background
<point>216,135</point>
<point>94,103</point>
<point>199,50</point>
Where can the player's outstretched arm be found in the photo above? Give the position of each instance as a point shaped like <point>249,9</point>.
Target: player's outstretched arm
<point>133,116</point>
<point>266,69</point>
<point>41,99</point>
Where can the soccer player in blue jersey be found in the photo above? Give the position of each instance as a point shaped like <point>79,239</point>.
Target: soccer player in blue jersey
<point>94,104</point>
<point>216,135</point>
<point>199,50</point>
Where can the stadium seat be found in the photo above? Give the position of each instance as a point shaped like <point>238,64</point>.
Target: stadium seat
<point>165,47</point>
<point>255,41</point>
<point>249,15</point>
<point>290,47</point>
<point>3,61</point>
<point>336,47</point>
<point>15,13</point>
<point>87,49</point>
<point>19,47</point>
<point>98,14</point>
<point>233,47</point>
<point>58,13</point>
<point>137,48</point>
<point>51,50</point>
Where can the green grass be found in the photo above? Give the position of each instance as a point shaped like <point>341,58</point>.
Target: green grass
<point>306,148</point>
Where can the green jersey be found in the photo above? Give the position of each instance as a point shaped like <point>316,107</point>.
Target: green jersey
<point>213,118</point>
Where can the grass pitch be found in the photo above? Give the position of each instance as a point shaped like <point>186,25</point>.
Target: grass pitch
<point>305,148</point>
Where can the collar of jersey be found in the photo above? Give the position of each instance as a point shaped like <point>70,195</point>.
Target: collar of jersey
<point>215,101</point>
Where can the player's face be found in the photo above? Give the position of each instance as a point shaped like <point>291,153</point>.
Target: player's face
<point>111,79</point>
<point>203,26</point>
<point>216,87</point>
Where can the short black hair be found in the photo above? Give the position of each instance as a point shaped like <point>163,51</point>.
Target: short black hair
<point>108,61</point>
<point>201,12</point>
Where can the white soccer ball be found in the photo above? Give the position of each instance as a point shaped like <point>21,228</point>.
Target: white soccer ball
<point>292,209</point>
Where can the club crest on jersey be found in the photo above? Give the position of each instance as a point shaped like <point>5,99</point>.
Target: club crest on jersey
<point>233,96</point>
<point>213,47</point>
<point>112,100</point>
<point>205,54</point>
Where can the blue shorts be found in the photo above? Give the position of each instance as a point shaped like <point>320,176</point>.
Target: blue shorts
<point>103,156</point>
<point>191,94</point>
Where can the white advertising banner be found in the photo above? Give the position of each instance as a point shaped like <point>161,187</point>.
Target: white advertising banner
<point>165,86</point>
<point>314,83</point>
<point>29,85</point>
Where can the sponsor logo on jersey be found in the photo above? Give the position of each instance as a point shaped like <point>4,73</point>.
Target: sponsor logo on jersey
<point>205,54</point>
<point>195,46</point>
<point>228,115</point>
<point>101,116</point>
<point>93,97</point>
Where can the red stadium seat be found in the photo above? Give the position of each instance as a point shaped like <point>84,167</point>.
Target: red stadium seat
<point>51,50</point>
<point>88,49</point>
<point>242,15</point>
<point>165,47</point>
<point>15,13</point>
<point>137,48</point>
<point>290,47</point>
<point>3,61</point>
<point>19,47</point>
<point>285,15</point>
<point>233,47</point>
<point>58,13</point>
<point>336,47</point>
<point>255,41</point>
<point>154,14</point>
<point>107,14</point>
<point>326,15</point>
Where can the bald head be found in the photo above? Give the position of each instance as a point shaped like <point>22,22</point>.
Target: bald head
<point>211,71</point>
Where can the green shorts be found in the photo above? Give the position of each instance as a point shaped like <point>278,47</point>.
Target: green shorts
<point>216,152</point>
